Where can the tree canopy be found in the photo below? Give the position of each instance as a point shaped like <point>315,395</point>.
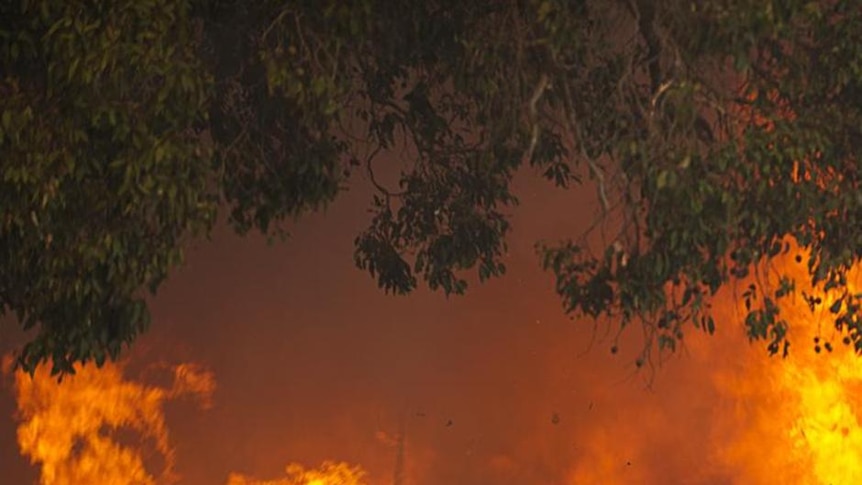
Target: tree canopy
<point>713,134</point>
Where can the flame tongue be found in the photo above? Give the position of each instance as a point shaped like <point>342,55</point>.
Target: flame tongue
<point>774,421</point>
<point>802,424</point>
<point>73,429</point>
<point>330,473</point>
<point>792,420</point>
<point>828,425</point>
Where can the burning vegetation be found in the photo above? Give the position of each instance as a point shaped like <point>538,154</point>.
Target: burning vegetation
<point>329,473</point>
<point>763,419</point>
<point>97,426</point>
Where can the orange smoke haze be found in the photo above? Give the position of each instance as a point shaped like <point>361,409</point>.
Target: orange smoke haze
<point>794,420</point>
<point>766,420</point>
<point>315,366</point>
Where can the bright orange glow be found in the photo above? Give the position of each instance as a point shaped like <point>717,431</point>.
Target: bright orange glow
<point>329,473</point>
<point>72,429</point>
<point>764,420</point>
<point>800,427</point>
<point>799,416</point>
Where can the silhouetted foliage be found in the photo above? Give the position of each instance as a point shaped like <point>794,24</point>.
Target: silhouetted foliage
<point>711,132</point>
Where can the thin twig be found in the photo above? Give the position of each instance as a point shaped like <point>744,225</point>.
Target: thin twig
<point>575,129</point>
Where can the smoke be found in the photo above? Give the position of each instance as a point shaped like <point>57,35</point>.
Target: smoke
<point>726,412</point>
<point>720,411</point>
<point>791,420</point>
<point>315,367</point>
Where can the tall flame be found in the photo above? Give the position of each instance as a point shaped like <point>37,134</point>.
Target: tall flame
<point>798,417</point>
<point>770,420</point>
<point>74,428</point>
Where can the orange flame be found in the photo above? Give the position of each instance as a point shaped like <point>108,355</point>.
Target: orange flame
<point>329,473</point>
<point>74,428</point>
<point>758,420</point>
<point>773,420</point>
<point>798,417</point>
<point>71,428</point>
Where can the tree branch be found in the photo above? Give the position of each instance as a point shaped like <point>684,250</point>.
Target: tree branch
<point>383,190</point>
<point>541,86</point>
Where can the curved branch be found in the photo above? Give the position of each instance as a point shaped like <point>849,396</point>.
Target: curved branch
<point>383,190</point>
